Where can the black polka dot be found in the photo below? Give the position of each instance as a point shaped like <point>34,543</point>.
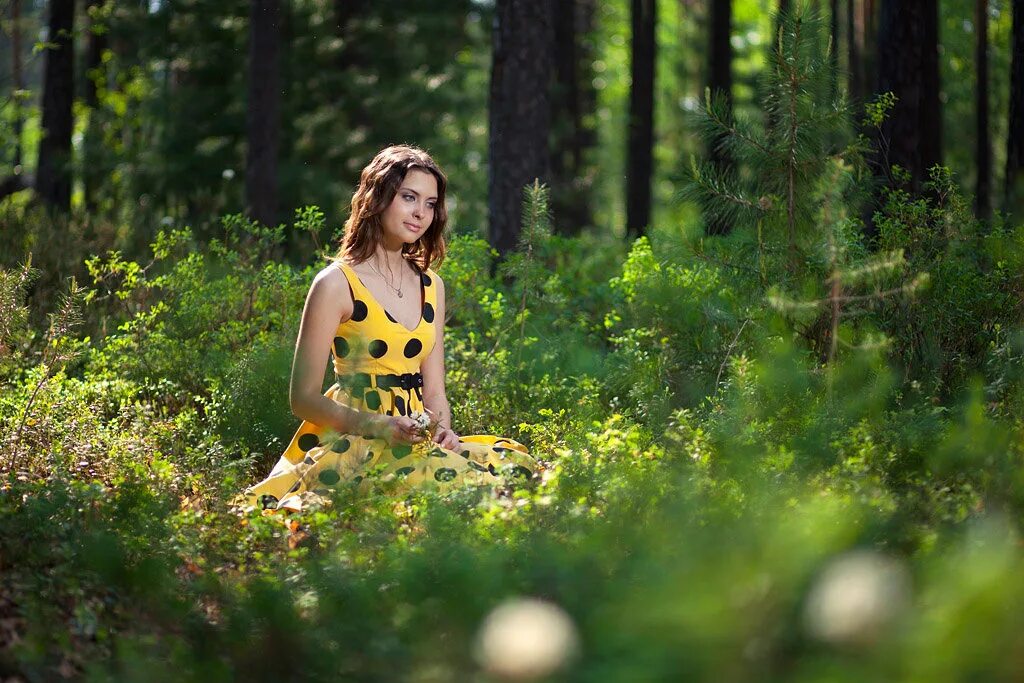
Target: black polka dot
<point>390,317</point>
<point>401,450</point>
<point>295,486</point>
<point>477,466</point>
<point>307,441</point>
<point>267,501</point>
<point>358,478</point>
<point>368,457</point>
<point>329,477</point>
<point>341,445</point>
<point>465,454</point>
<point>413,347</point>
<point>358,310</point>
<point>340,347</point>
<point>404,471</point>
<point>520,471</point>
<point>400,405</point>
<point>445,474</point>
<point>428,313</point>
<point>378,347</point>
<point>437,453</point>
<point>425,279</point>
<point>308,460</point>
<point>372,399</point>
<point>491,468</point>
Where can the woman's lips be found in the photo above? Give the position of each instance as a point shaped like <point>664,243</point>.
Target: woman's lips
<point>412,227</point>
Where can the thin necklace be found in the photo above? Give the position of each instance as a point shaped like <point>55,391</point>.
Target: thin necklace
<point>397,291</point>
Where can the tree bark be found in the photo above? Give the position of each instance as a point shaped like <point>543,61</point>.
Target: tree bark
<point>1014,190</point>
<point>833,18</point>
<point>53,175</point>
<point>17,80</point>
<point>519,113</point>
<point>854,68</point>
<point>262,114</point>
<point>91,172</point>
<point>909,68</point>
<point>640,162</point>
<point>983,151</point>
<point>720,83</point>
<point>572,102</point>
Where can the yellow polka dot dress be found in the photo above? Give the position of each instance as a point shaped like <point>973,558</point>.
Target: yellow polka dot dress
<point>377,366</point>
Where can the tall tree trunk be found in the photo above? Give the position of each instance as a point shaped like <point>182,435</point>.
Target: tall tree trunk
<point>640,162</point>
<point>720,83</point>
<point>519,112</point>
<point>53,174</point>
<point>262,114</point>
<point>94,69</point>
<point>1014,192</point>
<point>572,100</point>
<point>833,16</point>
<point>983,153</point>
<point>17,79</point>
<point>854,68</point>
<point>909,67</point>
<point>869,45</point>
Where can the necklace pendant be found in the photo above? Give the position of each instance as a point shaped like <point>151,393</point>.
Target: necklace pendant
<point>399,295</point>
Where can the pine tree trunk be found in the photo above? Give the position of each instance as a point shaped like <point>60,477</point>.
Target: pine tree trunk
<point>571,101</point>
<point>53,174</point>
<point>1014,192</point>
<point>983,153</point>
<point>17,80</point>
<point>869,46</point>
<point>640,162</point>
<point>909,67</point>
<point>720,83</point>
<point>91,171</point>
<point>262,111</point>
<point>834,54</point>
<point>854,68</point>
<point>519,113</point>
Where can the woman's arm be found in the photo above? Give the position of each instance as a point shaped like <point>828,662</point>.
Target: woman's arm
<point>434,397</point>
<point>328,304</point>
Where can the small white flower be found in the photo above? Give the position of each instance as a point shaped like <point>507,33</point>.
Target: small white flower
<point>855,597</point>
<point>227,173</point>
<point>422,420</point>
<point>525,639</point>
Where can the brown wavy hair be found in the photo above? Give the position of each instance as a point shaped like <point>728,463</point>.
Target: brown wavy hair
<point>378,184</point>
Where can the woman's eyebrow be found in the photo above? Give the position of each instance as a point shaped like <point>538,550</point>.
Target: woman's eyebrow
<point>409,189</point>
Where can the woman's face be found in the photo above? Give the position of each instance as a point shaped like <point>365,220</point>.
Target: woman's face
<point>411,212</point>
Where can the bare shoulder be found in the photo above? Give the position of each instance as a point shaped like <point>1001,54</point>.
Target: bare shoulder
<point>330,290</point>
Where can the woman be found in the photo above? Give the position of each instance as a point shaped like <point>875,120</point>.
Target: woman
<point>378,309</point>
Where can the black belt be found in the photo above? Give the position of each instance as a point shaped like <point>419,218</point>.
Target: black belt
<point>365,380</point>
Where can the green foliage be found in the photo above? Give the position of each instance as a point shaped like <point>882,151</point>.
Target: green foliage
<point>787,471</point>
<point>942,337</point>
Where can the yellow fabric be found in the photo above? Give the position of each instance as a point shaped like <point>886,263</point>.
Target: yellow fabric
<point>368,345</point>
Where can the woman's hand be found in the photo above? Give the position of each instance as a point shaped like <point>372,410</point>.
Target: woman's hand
<point>396,429</point>
<point>446,438</point>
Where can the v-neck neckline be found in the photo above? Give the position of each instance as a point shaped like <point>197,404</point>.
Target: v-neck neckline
<point>423,300</point>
